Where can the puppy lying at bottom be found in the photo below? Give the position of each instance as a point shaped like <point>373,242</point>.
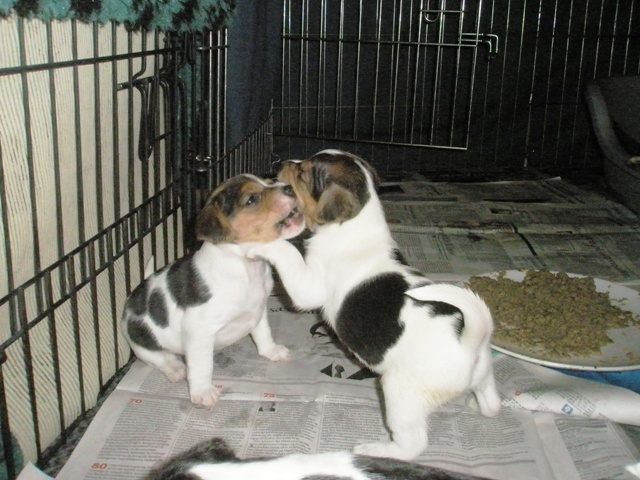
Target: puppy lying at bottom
<point>216,296</point>
<point>214,460</point>
<point>429,342</point>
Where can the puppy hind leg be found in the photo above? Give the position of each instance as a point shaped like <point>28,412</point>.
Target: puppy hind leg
<point>406,412</point>
<point>484,395</point>
<point>168,363</point>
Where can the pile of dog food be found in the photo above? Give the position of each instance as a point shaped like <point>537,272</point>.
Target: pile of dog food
<point>557,313</point>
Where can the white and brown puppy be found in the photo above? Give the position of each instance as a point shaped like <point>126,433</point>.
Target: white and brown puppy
<point>216,296</point>
<point>214,460</point>
<point>429,342</point>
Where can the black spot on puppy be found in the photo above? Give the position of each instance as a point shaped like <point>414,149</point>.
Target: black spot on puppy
<point>141,335</point>
<point>325,477</point>
<point>444,309</point>
<point>214,450</point>
<point>368,318</point>
<point>396,256</point>
<point>388,468</point>
<point>137,301</point>
<point>422,284</point>
<point>158,309</point>
<point>227,199</point>
<point>186,285</point>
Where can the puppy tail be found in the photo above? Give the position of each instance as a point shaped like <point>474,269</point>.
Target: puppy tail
<point>150,268</point>
<point>478,322</point>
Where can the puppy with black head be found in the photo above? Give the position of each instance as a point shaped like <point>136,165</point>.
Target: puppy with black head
<point>178,316</point>
<point>429,342</point>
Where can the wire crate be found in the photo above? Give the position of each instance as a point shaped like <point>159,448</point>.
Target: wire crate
<point>110,141</point>
<point>425,85</point>
<point>111,138</point>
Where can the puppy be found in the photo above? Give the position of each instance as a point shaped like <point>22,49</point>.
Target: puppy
<point>216,296</point>
<point>429,342</point>
<point>214,460</point>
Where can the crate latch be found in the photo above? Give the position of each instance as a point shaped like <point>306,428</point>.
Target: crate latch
<point>489,40</point>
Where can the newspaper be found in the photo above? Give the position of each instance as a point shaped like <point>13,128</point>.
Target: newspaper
<point>31,472</point>
<point>551,425</point>
<point>612,257</point>
<point>443,229</point>
<point>549,190</point>
<point>422,216</point>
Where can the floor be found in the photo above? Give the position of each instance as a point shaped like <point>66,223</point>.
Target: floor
<point>591,181</point>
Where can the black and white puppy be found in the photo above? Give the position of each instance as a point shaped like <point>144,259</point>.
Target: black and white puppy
<point>216,296</point>
<point>429,342</point>
<point>214,460</point>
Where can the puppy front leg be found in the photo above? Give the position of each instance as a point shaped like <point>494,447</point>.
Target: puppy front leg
<point>303,281</point>
<point>198,350</point>
<point>264,341</point>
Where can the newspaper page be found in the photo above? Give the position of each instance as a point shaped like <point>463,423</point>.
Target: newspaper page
<point>551,425</point>
<point>31,472</point>
<point>443,229</point>
<point>321,400</point>
<point>611,257</point>
<point>421,216</point>
<point>549,190</point>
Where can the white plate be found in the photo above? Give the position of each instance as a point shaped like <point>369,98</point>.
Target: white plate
<point>622,354</point>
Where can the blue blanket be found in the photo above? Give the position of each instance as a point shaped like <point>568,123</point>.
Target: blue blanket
<point>630,379</point>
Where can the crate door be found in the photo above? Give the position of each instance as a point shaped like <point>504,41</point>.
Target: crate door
<point>380,71</point>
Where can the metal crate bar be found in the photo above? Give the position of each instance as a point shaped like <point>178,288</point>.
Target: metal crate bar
<point>378,73</point>
<point>450,84</point>
<point>91,186</point>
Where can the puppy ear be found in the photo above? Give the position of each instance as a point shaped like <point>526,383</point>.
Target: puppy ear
<point>213,226</point>
<point>372,172</point>
<point>337,204</point>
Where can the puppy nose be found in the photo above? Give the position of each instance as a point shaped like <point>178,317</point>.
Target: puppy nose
<point>288,190</point>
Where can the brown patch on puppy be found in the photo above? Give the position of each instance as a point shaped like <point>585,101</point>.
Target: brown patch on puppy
<point>247,209</point>
<point>330,187</point>
<point>299,177</point>
<point>260,210</point>
<point>213,226</point>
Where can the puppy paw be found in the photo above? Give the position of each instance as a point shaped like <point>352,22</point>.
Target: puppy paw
<point>254,254</point>
<point>487,403</point>
<point>176,372</point>
<point>388,450</point>
<point>372,449</point>
<point>206,398</point>
<point>267,251</point>
<point>277,353</point>
<point>259,252</point>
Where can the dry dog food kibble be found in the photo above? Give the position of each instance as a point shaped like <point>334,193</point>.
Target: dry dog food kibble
<point>560,314</point>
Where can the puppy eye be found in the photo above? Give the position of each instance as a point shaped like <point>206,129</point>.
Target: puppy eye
<point>288,190</point>
<point>252,199</point>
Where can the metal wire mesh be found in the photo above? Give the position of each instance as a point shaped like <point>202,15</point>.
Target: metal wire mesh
<point>351,76</point>
<point>101,130</point>
<point>110,141</point>
<point>450,84</point>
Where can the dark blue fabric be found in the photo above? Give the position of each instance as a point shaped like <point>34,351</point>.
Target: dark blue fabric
<point>630,379</point>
